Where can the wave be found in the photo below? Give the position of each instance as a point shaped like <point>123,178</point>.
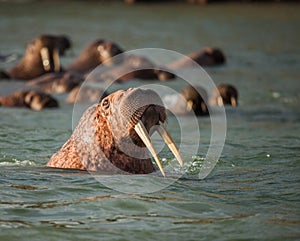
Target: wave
<point>15,162</point>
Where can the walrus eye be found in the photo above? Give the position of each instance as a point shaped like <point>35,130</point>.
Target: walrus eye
<point>105,104</point>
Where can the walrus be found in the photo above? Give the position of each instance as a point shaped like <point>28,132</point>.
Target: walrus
<point>135,67</point>
<point>57,83</point>
<point>112,135</point>
<point>41,56</point>
<point>204,57</point>
<point>97,52</point>
<point>224,94</point>
<point>32,99</point>
<point>192,100</point>
<point>85,94</point>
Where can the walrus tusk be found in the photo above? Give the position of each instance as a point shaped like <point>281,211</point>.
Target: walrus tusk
<point>56,60</point>
<point>143,134</point>
<point>45,58</point>
<point>189,105</point>
<point>203,107</point>
<point>233,101</point>
<point>220,101</point>
<point>169,141</point>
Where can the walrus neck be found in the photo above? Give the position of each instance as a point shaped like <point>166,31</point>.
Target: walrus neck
<point>26,70</point>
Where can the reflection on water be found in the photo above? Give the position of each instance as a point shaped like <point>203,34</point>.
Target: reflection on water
<point>252,192</point>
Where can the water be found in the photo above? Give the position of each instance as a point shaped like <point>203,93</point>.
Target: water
<point>253,191</point>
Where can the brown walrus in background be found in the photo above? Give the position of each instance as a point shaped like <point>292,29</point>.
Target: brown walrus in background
<point>97,52</point>
<point>32,99</point>
<point>192,100</point>
<point>204,57</point>
<point>86,94</point>
<point>112,135</point>
<point>57,83</point>
<point>224,94</point>
<point>134,67</point>
<point>41,56</point>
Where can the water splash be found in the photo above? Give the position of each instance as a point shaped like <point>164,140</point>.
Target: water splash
<point>15,162</point>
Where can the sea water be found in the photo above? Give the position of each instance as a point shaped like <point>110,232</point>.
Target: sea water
<point>253,191</point>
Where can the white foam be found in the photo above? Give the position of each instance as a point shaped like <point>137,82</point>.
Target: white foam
<point>15,162</point>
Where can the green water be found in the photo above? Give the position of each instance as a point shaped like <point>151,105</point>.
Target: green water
<point>253,191</point>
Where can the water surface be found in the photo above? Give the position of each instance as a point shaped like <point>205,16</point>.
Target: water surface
<point>252,193</point>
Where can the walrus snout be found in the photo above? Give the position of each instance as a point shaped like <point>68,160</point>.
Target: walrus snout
<point>148,114</point>
<point>136,101</point>
<point>152,116</point>
<point>38,100</point>
<point>224,94</point>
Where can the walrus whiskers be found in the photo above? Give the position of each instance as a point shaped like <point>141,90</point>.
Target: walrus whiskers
<point>143,134</point>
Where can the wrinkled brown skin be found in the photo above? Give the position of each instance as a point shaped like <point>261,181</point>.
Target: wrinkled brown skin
<point>31,66</point>
<point>57,83</point>
<point>97,52</point>
<point>32,99</point>
<point>227,92</point>
<point>204,57</point>
<point>197,96</point>
<point>106,129</point>
<point>86,94</point>
<point>136,67</point>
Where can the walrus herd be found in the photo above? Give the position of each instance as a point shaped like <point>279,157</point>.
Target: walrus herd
<point>40,67</point>
<point>113,135</point>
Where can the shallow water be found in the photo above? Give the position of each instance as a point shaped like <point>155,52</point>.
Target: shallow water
<point>253,191</point>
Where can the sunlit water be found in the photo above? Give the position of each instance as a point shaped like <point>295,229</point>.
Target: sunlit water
<point>253,191</point>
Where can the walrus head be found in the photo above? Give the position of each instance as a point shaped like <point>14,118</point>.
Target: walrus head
<point>41,56</point>
<point>213,56</point>
<point>115,134</point>
<point>191,100</point>
<point>50,47</point>
<point>97,52</point>
<point>35,100</point>
<point>107,50</point>
<point>196,98</point>
<point>224,94</point>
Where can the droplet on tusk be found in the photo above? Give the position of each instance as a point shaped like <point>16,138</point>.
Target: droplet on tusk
<point>143,134</point>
